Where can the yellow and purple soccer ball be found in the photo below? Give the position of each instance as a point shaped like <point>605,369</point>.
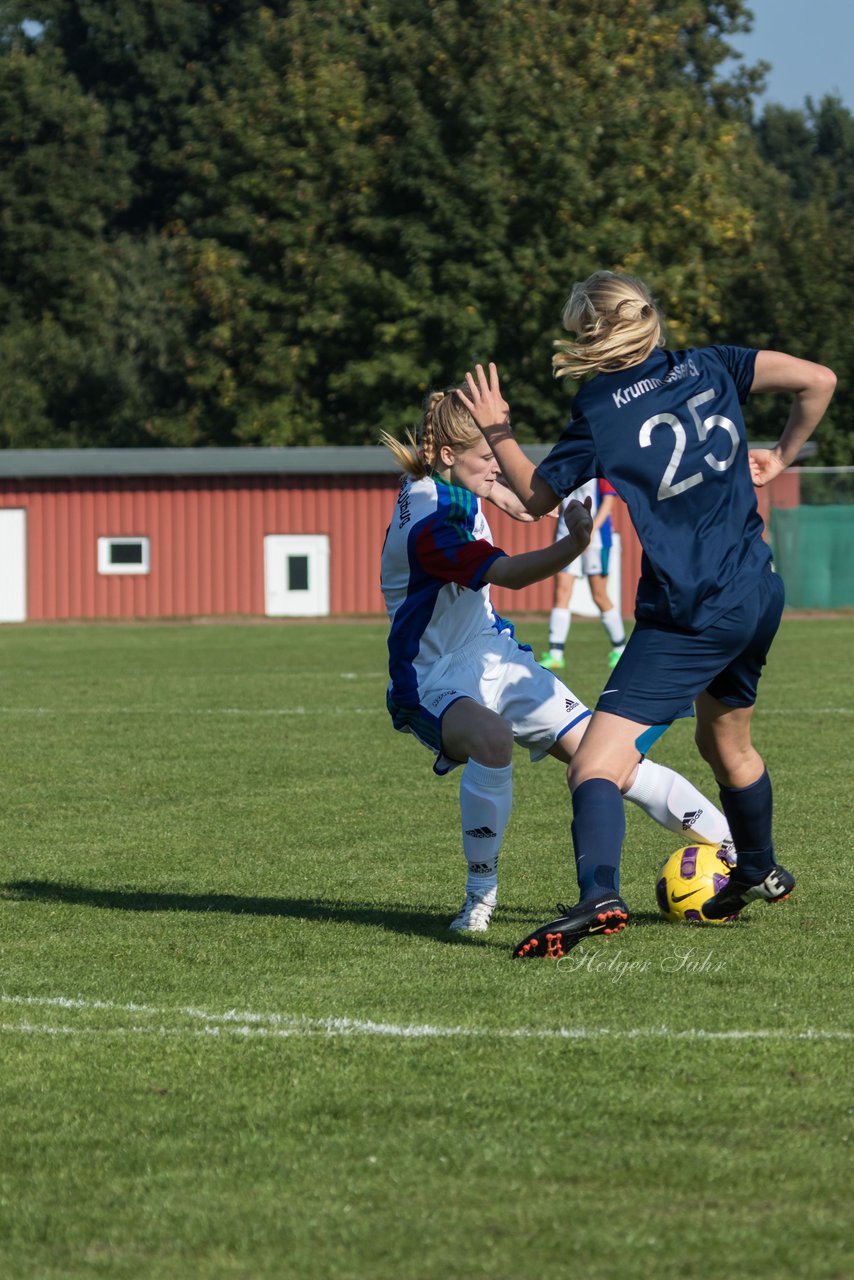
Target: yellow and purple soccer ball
<point>689,877</point>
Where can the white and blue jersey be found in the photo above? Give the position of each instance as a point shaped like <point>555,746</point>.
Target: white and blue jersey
<point>446,642</point>
<point>437,549</point>
<point>670,436</point>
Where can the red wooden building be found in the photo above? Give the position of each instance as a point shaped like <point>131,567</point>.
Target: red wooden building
<point>166,533</point>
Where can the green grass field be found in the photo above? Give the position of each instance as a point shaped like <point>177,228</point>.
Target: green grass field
<point>238,1040</point>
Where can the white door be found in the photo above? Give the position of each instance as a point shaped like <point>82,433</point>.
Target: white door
<point>13,564</point>
<point>296,575</point>
<point>582,601</point>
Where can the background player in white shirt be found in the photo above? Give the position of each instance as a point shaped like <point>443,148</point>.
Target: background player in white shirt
<point>592,564</point>
<point>459,680</point>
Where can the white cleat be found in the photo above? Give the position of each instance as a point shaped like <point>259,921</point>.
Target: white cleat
<point>475,915</point>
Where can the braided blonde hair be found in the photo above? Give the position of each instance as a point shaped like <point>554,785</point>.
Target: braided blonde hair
<point>446,421</point>
<point>616,322</point>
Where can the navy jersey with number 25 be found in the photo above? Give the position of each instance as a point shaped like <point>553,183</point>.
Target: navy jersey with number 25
<point>669,435</point>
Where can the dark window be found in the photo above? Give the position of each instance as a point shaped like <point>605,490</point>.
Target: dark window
<point>125,553</point>
<point>297,573</point>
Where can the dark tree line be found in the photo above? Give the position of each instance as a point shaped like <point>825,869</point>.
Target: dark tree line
<point>235,223</point>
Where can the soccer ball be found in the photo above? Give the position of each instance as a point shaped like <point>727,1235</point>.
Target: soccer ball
<point>689,877</point>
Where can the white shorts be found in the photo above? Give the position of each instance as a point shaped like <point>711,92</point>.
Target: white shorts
<point>499,673</point>
<point>591,561</point>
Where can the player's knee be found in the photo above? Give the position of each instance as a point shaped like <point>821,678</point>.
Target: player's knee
<point>739,768</point>
<point>495,750</point>
<point>732,759</point>
<point>575,777</point>
<point>582,771</point>
<point>706,745</point>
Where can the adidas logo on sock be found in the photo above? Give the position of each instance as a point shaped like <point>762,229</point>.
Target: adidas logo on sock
<point>689,819</point>
<point>481,833</point>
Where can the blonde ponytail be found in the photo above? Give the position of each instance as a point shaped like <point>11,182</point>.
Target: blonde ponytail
<point>408,454</point>
<point>446,421</point>
<point>616,322</point>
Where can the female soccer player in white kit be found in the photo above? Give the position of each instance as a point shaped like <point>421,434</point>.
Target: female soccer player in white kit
<point>459,680</point>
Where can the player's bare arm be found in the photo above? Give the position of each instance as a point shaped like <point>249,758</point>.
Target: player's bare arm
<point>503,497</point>
<point>484,401</point>
<point>534,566</point>
<point>606,508</point>
<point>811,386</point>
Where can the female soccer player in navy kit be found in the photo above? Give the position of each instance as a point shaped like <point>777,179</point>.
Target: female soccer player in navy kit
<point>666,428</point>
<point>459,681</point>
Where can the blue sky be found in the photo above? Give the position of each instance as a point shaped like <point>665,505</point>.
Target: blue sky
<point>810,44</point>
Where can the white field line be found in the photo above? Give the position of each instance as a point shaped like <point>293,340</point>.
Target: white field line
<point>807,711</point>
<point>379,709</point>
<point>190,1021</point>
<point>194,711</point>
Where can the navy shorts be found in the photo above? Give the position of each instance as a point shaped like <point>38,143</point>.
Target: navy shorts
<point>662,670</point>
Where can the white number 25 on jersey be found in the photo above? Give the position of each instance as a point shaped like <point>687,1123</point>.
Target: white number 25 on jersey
<point>667,489</point>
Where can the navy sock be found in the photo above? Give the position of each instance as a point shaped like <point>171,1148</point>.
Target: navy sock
<point>749,812</point>
<point>598,828</point>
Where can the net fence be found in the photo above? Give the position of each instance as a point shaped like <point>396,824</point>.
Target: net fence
<point>813,543</point>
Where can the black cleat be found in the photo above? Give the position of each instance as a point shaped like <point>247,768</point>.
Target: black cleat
<point>736,894</point>
<point>608,914</point>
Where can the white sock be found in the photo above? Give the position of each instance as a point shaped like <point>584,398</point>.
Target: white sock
<point>613,623</point>
<point>486,798</point>
<point>559,620</point>
<point>677,804</point>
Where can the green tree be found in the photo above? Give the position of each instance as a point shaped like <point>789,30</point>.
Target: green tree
<point>145,62</point>
<point>319,209</point>
<point>374,195</point>
<point>56,196</point>
<point>92,338</point>
<point>794,288</point>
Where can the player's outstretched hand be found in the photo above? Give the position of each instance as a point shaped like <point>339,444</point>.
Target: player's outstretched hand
<point>483,399</point>
<point>578,518</point>
<point>765,464</point>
